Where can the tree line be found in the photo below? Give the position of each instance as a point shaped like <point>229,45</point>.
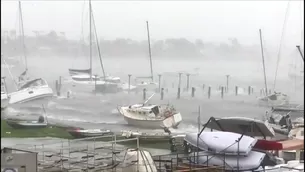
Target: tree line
<point>56,43</point>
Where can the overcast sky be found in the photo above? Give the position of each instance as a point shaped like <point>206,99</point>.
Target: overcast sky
<point>208,20</point>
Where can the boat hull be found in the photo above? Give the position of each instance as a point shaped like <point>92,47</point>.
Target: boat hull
<point>4,101</point>
<point>20,125</point>
<point>40,95</point>
<point>151,123</point>
<point>77,134</point>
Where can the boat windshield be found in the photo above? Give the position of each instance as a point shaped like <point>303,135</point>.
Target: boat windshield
<point>33,83</point>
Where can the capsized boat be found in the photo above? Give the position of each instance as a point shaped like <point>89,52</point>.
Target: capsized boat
<point>31,91</point>
<point>83,133</point>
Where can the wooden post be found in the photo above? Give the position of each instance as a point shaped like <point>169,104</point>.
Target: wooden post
<point>179,86</point>
<point>159,83</point>
<point>129,83</point>
<point>227,87</point>
<point>57,88</point>
<point>178,94</point>
<point>209,92</point>
<point>187,82</point>
<point>95,84</point>
<point>249,90</point>
<point>222,92</point>
<point>193,91</point>
<point>60,82</point>
<point>162,93</point>
<point>144,94</point>
<point>236,90</point>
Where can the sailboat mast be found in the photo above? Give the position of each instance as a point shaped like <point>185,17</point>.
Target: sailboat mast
<point>90,40</point>
<point>98,46</point>
<point>22,37</point>
<point>149,49</point>
<point>298,47</point>
<point>263,60</point>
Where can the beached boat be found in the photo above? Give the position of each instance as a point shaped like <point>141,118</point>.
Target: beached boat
<point>29,90</point>
<point>242,125</point>
<point>83,133</point>
<point>36,90</point>
<point>22,124</point>
<point>151,116</point>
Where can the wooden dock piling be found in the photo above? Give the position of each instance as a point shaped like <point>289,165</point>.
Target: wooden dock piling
<point>162,93</point>
<point>193,91</point>
<point>144,94</point>
<point>236,90</point>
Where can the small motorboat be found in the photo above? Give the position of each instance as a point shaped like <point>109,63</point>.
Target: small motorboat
<point>83,133</point>
<point>154,137</point>
<point>18,124</point>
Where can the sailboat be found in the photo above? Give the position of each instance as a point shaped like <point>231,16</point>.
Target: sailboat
<point>141,84</point>
<point>273,99</point>
<point>151,116</point>
<point>84,76</point>
<point>29,90</point>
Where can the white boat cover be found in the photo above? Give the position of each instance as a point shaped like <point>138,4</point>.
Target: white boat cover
<point>222,142</point>
<point>232,162</point>
<point>243,125</point>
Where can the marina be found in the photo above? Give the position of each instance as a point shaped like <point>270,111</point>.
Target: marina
<point>172,105</point>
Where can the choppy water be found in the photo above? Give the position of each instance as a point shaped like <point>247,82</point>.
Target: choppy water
<point>99,111</point>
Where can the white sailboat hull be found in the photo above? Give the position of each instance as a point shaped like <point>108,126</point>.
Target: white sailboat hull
<point>4,100</point>
<point>148,122</point>
<point>272,103</point>
<point>147,86</point>
<point>40,94</point>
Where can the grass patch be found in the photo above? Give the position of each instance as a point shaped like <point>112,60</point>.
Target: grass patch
<point>50,131</point>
